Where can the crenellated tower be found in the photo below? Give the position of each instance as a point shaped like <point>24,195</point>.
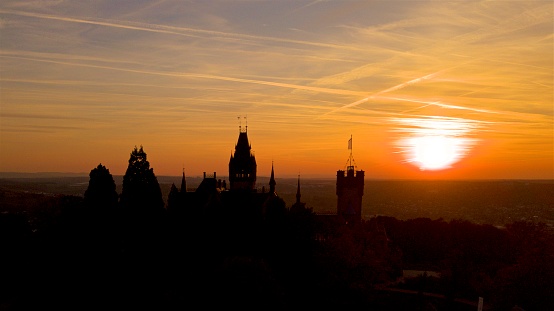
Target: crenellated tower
<point>350,189</point>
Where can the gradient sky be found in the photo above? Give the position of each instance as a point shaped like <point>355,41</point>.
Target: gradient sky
<point>83,82</point>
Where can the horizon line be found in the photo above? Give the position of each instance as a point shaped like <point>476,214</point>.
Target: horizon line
<point>8,175</point>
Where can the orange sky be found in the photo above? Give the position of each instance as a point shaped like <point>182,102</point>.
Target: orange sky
<point>82,84</point>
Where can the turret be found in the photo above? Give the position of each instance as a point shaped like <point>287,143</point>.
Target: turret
<point>242,165</point>
<point>350,189</point>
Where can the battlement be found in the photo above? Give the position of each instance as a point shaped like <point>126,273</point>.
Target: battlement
<point>350,179</point>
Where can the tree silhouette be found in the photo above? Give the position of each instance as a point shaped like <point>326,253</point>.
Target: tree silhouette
<point>144,233</point>
<point>101,188</point>
<point>100,218</point>
<point>141,191</point>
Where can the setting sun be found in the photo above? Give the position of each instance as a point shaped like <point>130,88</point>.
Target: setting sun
<point>435,152</point>
<point>435,143</point>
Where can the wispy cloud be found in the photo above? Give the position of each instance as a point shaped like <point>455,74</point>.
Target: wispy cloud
<point>164,29</point>
<point>195,75</point>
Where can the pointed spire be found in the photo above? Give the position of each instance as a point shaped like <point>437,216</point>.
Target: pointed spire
<point>183,183</point>
<point>298,206</point>
<point>272,180</point>
<point>298,191</point>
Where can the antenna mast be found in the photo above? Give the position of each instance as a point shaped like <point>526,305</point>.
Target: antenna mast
<point>350,158</point>
<point>240,124</point>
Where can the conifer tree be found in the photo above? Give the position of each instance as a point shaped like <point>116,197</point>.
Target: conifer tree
<point>101,191</point>
<point>141,190</point>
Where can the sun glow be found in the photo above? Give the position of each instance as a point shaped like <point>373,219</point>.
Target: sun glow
<point>435,152</point>
<point>437,143</point>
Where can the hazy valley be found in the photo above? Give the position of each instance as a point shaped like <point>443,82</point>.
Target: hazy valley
<point>496,202</point>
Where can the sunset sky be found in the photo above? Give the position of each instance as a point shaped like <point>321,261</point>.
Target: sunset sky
<point>83,82</point>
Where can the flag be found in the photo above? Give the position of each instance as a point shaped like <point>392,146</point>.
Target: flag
<point>350,143</point>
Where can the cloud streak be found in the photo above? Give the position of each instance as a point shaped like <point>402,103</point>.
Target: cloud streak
<point>195,75</point>
<point>164,29</point>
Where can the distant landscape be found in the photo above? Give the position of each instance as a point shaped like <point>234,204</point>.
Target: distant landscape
<point>496,202</point>
<point>423,245</point>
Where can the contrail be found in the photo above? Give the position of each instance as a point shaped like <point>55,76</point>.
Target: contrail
<point>439,104</point>
<point>307,5</point>
<point>416,80</point>
<point>394,88</point>
<point>526,19</point>
<point>99,22</point>
<point>200,76</point>
<point>521,117</point>
<point>407,83</point>
<point>181,31</point>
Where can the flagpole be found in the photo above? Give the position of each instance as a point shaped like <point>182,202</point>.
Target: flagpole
<point>350,147</point>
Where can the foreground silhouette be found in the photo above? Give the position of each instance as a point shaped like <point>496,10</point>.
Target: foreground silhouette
<point>72,262</point>
<point>214,249</point>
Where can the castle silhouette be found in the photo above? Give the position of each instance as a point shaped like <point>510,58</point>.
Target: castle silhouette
<point>242,198</point>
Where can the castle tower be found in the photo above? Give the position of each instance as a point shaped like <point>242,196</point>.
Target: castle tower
<point>350,189</point>
<point>242,165</point>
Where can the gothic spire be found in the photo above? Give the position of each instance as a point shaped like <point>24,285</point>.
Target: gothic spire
<point>183,182</point>
<point>272,181</point>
